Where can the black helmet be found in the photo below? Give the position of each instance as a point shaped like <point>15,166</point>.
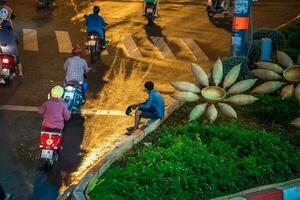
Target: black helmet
<point>96,9</point>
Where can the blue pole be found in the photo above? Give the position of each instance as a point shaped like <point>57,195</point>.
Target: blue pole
<point>240,27</point>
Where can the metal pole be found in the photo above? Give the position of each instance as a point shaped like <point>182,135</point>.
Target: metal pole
<point>240,27</point>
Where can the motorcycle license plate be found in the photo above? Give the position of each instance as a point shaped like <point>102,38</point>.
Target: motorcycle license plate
<point>47,154</point>
<point>149,10</point>
<point>5,72</point>
<point>69,94</point>
<point>92,43</point>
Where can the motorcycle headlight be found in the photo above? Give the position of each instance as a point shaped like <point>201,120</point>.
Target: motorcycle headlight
<point>5,72</point>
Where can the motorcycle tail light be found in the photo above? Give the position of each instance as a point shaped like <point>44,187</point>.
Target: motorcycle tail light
<point>92,37</point>
<point>5,61</point>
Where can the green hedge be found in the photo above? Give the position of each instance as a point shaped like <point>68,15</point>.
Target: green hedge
<point>277,37</point>
<point>199,161</point>
<point>273,108</point>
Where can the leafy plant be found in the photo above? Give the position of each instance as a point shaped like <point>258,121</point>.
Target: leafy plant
<point>201,161</point>
<point>273,108</point>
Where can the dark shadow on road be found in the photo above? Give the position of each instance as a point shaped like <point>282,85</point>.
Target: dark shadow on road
<point>223,22</point>
<point>153,30</point>
<point>47,184</point>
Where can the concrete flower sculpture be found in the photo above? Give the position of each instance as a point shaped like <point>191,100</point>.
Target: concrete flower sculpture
<point>211,94</point>
<point>296,123</point>
<point>283,75</point>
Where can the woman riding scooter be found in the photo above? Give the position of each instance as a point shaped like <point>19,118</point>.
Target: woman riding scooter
<point>55,111</point>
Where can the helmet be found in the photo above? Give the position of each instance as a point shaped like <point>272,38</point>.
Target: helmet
<point>96,9</point>
<point>57,92</point>
<point>6,24</point>
<point>76,51</point>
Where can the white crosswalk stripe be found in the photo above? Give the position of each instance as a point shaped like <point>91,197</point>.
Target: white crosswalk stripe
<point>63,41</point>
<point>83,111</point>
<point>30,41</point>
<point>130,46</point>
<point>194,48</point>
<point>126,42</point>
<point>163,48</point>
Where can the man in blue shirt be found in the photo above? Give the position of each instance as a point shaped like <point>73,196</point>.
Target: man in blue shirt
<point>95,23</point>
<point>153,108</point>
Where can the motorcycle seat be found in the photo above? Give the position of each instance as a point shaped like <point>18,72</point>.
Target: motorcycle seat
<point>51,130</point>
<point>73,83</point>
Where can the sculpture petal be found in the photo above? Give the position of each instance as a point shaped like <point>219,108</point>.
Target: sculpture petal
<point>212,113</point>
<point>185,86</point>
<point>227,110</point>
<point>267,75</point>
<point>287,91</point>
<point>270,66</point>
<point>217,72</point>
<point>268,87</point>
<point>185,96</point>
<point>284,60</point>
<point>241,86</point>
<point>197,111</point>
<point>241,99</point>
<point>200,75</point>
<point>232,76</point>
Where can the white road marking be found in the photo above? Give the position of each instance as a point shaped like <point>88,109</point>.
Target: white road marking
<point>19,108</point>
<point>83,111</point>
<point>130,47</point>
<point>63,41</point>
<point>30,41</point>
<point>194,48</point>
<point>163,48</point>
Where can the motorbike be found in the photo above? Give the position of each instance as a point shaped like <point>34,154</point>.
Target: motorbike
<point>73,95</point>
<point>50,147</point>
<point>150,12</point>
<point>219,6</point>
<point>94,46</point>
<point>45,4</point>
<point>7,69</point>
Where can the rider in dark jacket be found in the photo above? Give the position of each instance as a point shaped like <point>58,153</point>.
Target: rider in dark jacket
<point>9,42</point>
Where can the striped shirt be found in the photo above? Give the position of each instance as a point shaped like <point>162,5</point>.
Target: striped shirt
<point>75,68</point>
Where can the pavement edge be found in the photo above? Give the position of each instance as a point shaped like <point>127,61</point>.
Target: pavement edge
<point>86,184</point>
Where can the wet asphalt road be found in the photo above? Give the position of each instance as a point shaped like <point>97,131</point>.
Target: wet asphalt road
<point>115,82</point>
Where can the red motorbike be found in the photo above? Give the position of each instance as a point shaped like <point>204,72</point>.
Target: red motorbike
<point>8,68</point>
<point>50,146</point>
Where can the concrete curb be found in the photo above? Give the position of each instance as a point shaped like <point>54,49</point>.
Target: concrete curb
<point>289,22</point>
<point>87,183</point>
<point>295,183</point>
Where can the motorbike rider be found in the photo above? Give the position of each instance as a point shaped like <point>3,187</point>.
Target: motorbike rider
<point>76,69</point>
<point>95,23</point>
<point>154,2</point>
<point>218,5</point>
<point>55,111</point>
<point>9,42</point>
<point>6,13</point>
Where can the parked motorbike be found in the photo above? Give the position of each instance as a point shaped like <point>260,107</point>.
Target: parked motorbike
<point>45,4</point>
<point>50,147</point>
<point>150,12</point>
<point>8,68</point>
<point>219,6</point>
<point>74,96</point>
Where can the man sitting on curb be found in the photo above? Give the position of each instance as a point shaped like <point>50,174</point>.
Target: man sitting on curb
<point>153,108</point>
